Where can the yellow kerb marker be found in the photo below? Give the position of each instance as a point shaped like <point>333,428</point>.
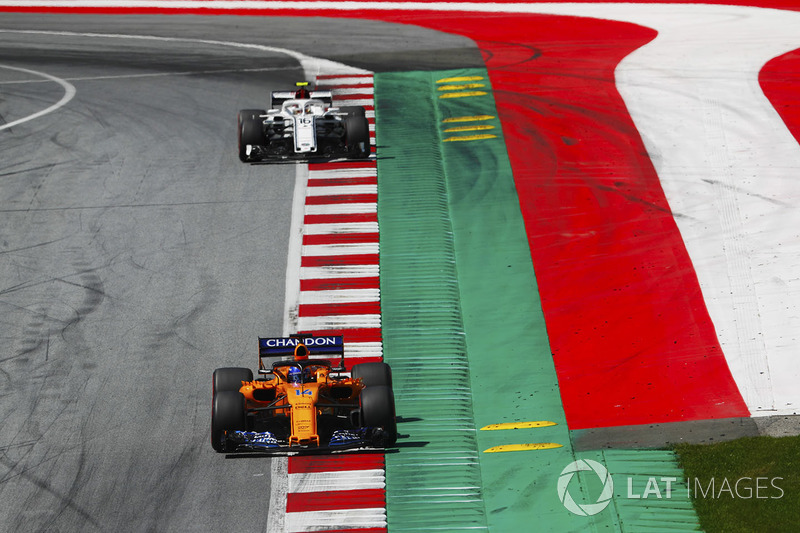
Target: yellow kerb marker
<point>463,94</point>
<point>519,425</point>
<point>468,128</point>
<point>470,137</point>
<point>468,119</point>
<point>461,87</point>
<point>523,447</point>
<point>460,79</point>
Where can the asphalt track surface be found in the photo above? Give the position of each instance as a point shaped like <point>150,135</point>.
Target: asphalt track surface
<point>138,254</point>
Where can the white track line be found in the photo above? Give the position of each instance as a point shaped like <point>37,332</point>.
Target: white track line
<point>69,94</point>
<point>293,257</point>
<point>279,487</point>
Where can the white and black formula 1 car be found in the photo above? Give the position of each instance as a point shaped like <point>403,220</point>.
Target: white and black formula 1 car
<point>303,124</point>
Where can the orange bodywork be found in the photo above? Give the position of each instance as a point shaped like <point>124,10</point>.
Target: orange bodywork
<point>318,393</point>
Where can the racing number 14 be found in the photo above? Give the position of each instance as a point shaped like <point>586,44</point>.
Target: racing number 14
<point>302,392</point>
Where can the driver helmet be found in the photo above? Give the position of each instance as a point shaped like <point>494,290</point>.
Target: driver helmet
<point>295,375</point>
<point>302,91</point>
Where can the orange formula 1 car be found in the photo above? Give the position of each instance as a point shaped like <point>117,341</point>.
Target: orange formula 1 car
<point>302,403</point>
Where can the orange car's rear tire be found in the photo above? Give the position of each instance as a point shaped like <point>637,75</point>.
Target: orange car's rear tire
<point>227,414</point>
<point>373,374</point>
<point>230,379</point>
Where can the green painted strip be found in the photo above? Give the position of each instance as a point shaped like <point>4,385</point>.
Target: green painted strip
<point>434,482</point>
<point>465,335</point>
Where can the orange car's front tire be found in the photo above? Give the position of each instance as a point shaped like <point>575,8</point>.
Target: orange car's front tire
<point>377,411</point>
<point>227,414</point>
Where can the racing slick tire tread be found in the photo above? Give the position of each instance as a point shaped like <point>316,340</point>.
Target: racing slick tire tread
<point>227,414</point>
<point>230,379</point>
<point>251,132</point>
<point>377,410</point>
<point>373,374</point>
<point>357,136</point>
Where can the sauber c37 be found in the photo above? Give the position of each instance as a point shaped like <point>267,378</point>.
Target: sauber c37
<point>302,403</point>
<point>303,125</point>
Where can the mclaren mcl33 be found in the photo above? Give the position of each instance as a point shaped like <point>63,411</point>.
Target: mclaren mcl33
<point>302,403</point>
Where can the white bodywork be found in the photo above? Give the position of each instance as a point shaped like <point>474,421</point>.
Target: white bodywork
<point>303,115</point>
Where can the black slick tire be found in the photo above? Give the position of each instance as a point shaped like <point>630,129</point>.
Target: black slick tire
<point>227,414</point>
<point>250,131</point>
<point>373,374</point>
<point>230,379</point>
<point>377,411</point>
<point>357,136</point>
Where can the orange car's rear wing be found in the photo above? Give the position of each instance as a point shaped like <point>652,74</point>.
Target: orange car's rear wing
<point>326,346</point>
